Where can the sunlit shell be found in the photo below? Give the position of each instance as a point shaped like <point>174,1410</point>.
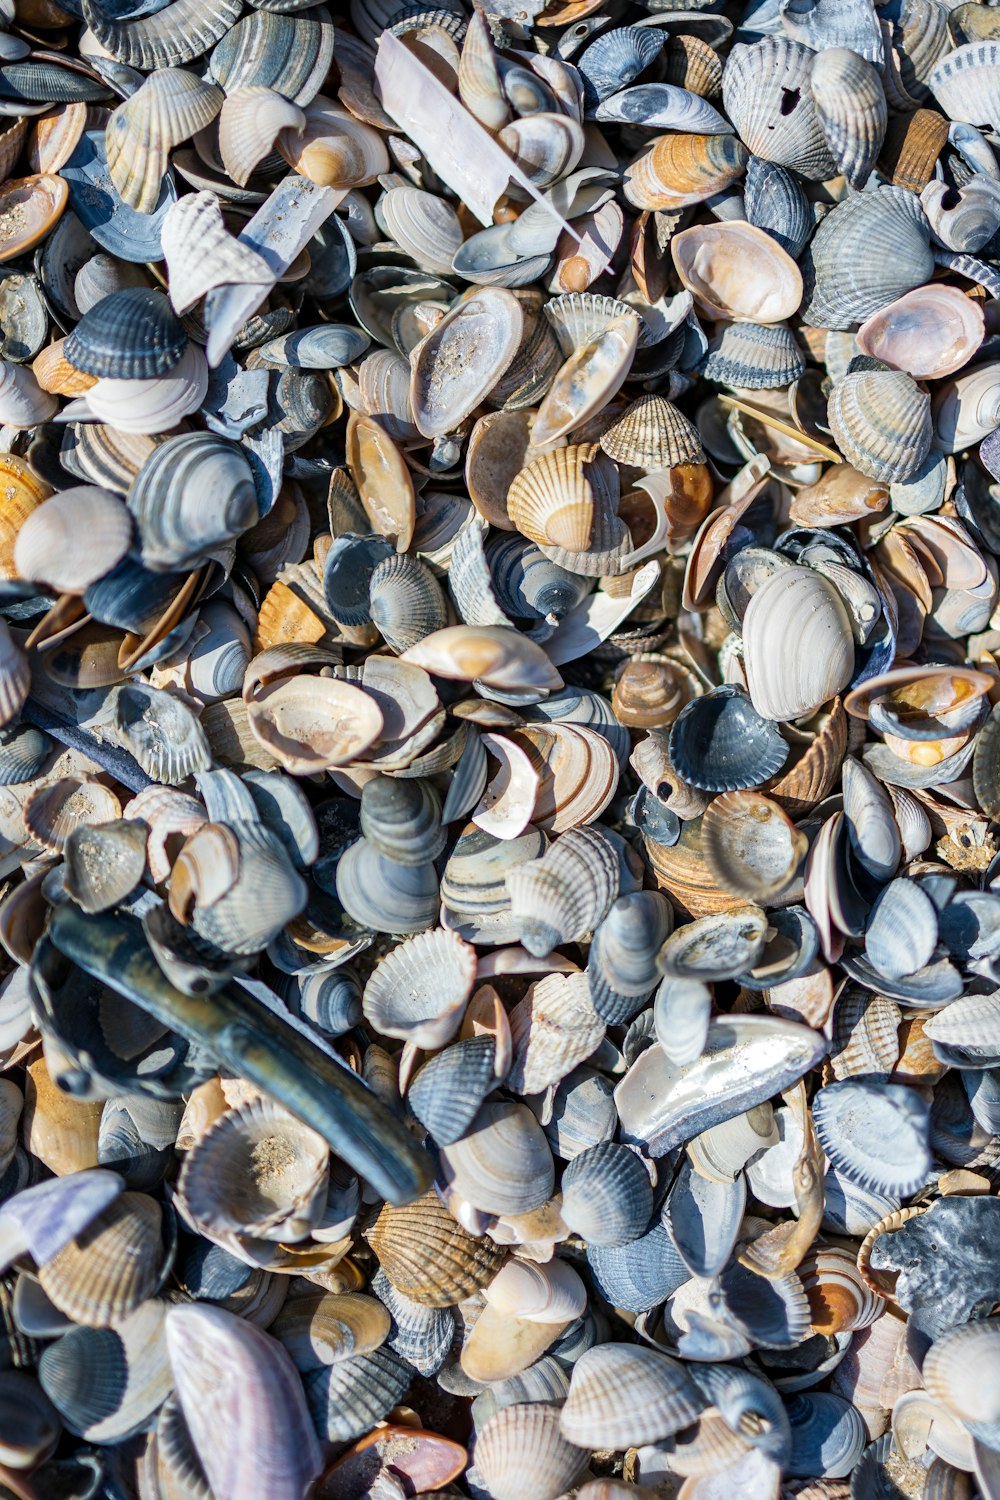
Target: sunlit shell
<point>929,332</point>
<point>712,260</point>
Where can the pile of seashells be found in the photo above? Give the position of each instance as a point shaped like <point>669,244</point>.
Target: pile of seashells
<point>499,750</point>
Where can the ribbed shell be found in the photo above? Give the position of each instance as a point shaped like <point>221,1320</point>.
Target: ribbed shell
<point>290,54</point>
<point>849,99</point>
<point>250,122</point>
<point>607,1197</point>
<point>616,59</point>
<point>429,1257</point>
<point>503,1164</point>
<point>557,499</point>
<point>202,254</point>
<point>170,107</point>
<point>562,896</point>
<point>421,1335</point>
<point>130,335</point>
<point>179,33</point>
<point>773,200</point>
<point>552,1029</point>
<point>101,1277</point>
<point>653,434</point>
<point>720,743</point>
<point>401,818</point>
<point>870,249</point>
<point>577,316</point>
<point>418,991</point>
<point>754,356</point>
<point>73,539</point>
<point>966,83</point>
<point>623,1394</point>
<point>881,422</point>
<point>875,1133</point>
<point>446,1093</point>
<point>405,601</point>
<point>521,1454</point>
<point>759,84</point>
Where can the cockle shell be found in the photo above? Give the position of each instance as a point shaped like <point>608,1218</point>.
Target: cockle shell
<point>169,107</point>
<point>881,421</point>
<point>766,94</point>
<point>850,102</point>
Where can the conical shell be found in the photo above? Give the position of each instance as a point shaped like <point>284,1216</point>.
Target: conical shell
<point>881,421</point>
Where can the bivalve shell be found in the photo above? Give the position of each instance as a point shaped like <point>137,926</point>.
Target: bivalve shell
<point>798,644</point>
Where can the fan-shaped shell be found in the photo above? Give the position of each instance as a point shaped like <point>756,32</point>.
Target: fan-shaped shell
<point>428,1256</point>
<point>766,94</point>
<point>557,499</point>
<point>868,250</point>
<point>251,120</point>
<point>621,1394</point>
<point>112,1266</point>
<point>552,1029</point>
<point>653,434</point>
<point>607,1197</point>
<point>876,1133</point>
<point>129,335</point>
<point>202,254</point>
<point>881,421</point>
<point>419,990</point>
<point>74,539</point>
<point>720,743</point>
<point>850,102</point>
<point>798,644</point>
<point>754,356</point>
<point>521,1454</point>
<point>966,83</point>
<point>169,107</point>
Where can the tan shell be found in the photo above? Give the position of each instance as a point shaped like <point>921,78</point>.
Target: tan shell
<point>736,271</point>
<point>383,480</point>
<point>751,846</point>
<point>428,1256</point>
<point>653,434</point>
<point>555,499</point>
<point>588,380</point>
<point>250,122</point>
<point>929,332</point>
<point>312,724</point>
<point>678,170</point>
<point>333,149</point>
<point>458,363</point>
<point>168,108</point>
<point>839,1299</point>
<point>55,808</point>
<point>102,1276</point>
<point>29,208</point>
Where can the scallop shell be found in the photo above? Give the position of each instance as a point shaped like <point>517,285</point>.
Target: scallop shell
<point>100,1278</point>
<point>553,1028</point>
<point>774,201</point>
<point>881,421</point>
<point>202,254</point>
<point>180,32</point>
<point>607,1196</point>
<point>557,499</point>
<point>966,83</point>
<point>128,335</point>
<point>869,250</point>
<point>565,894</point>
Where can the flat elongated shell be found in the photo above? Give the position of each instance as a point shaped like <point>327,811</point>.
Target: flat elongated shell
<point>746,1060</point>
<point>456,365</point>
<point>798,644</point>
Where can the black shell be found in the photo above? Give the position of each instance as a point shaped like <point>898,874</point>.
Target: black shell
<point>720,743</point>
<point>130,335</point>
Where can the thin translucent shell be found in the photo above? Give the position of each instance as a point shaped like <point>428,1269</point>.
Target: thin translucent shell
<point>736,271</point>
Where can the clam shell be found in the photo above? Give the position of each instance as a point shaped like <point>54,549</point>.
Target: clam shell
<point>560,497</point>
<point>105,864</point>
<point>441,390</point>
<point>720,743</point>
<point>74,539</point>
<point>875,1133</point>
<point>881,421</point>
<point>869,250</point>
<point>588,380</point>
<point>177,34</point>
<point>348,1398</point>
<point>566,893</point>
<point>754,356</point>
<point>447,1091</point>
<point>420,989</point>
<point>288,53</point>
<point>420,1335</point>
<point>766,94</point>
<point>957,1372</point>
<point>796,604</point>
<point>129,335</point>
<point>381,894</point>
<point>621,1394</point>
<point>321,1328</point>
<point>828,1435</point>
<point>428,1256</point>
<point>929,332</point>
<point>840,1301</point>
<point>302,722</point>
<point>751,846</point>
<point>679,170</point>
<point>712,259</point>
<point>615,59</point>
<point>107,1384</point>
<point>606,1195</point>
<point>663,106</point>
<point>521,1454</point>
<point>503,1164</point>
<point>966,82</point>
<point>703,1219</point>
<point>774,201</point>
<point>851,106</point>
<point>29,209</point>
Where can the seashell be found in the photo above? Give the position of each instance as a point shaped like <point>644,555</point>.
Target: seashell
<point>213,1353</point>
<point>497,657</point>
<point>850,103</point>
<point>521,1454</point>
<point>566,893</point>
<point>402,819</point>
<point>553,1028</point>
<point>405,601</point>
<point>663,106</point>
<point>913,143</point>
<point>606,1195</point>
<point>129,335</point>
<point>800,605</point>
<point>867,252</point>
<point>379,893</point>
<point>964,409</point>
<point>641,1274</point>
<point>322,1328</point>
<point>653,434</point>
<point>544,146</point>
<point>775,202</point>
<point>881,421</point>
<point>159,730</point>
<point>875,1133</point>
<point>703,1219</point>
<point>678,170</point>
<point>420,1335</point>
<point>168,108</point>
<point>151,406</point>
<point>201,254</point>
<point>447,1091</point>
<point>948,1375</point>
<point>332,148</point>
<point>104,864</point>
<point>964,82</point>
<point>441,393</point>
<point>31,1425</point>
<point>162,40</point>
<point>560,499</point>
<point>103,1275</point>
<point>754,356</point>
<point>615,59</point>
<point>347,1398</point>
<point>109,1383</point>
<point>662,1103</point>
<point>621,968</point>
<point>256,1171</point>
<point>621,1393</point>
<point>711,261</point>
<point>720,946</point>
<point>288,53</point>
<point>766,94</point>
<point>250,122</point>
<point>502,1165</point>
<point>48,546</point>
<point>682,1010</point>
<point>751,846</point>
<point>588,380</point>
<point>479,83</point>
<point>29,208</point>
<point>720,743</point>
<point>23,402</point>
<point>828,1434</point>
<point>56,807</point>
<point>902,930</point>
<point>839,1299</point>
<point>420,989</point>
<point>428,1256</point>
<point>929,332</point>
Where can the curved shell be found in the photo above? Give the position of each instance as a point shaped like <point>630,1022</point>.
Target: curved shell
<point>521,1454</point>
<point>73,539</point>
<point>966,83</point>
<point>552,1029</point>
<point>679,170</point>
<point>754,356</point>
<point>766,94</point>
<point>128,335</point>
<point>621,1394</point>
<point>712,259</point>
<point>615,59</point>
<point>178,33</point>
<point>250,121</point>
<point>100,1278</point>
<point>653,434</point>
<point>288,53</point>
<point>591,376</point>
<point>503,1164</point>
<point>201,253</point>
<point>443,389</point>
<point>428,1256</point>
<point>566,893</point>
<point>752,847</point>
<point>314,723</point>
<point>256,1171</point>
<point>168,108</point>
<point>773,200</point>
<point>402,819</point>
<point>720,743</point>
<point>798,644</point>
<point>881,421</point>
<point>851,106</point>
<point>929,332</point>
<point>419,990</point>
<point>870,249</point>
<point>560,498</point>
<point>607,1197</point>
<point>447,1091</point>
<point>875,1133</point>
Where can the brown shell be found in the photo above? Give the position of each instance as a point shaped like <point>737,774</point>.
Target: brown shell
<point>911,148</point>
<point>692,64</point>
<point>112,1266</point>
<point>428,1256</point>
<point>653,434</point>
<point>813,775</point>
<point>682,871</point>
